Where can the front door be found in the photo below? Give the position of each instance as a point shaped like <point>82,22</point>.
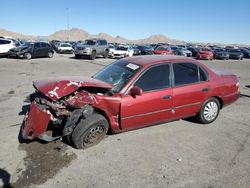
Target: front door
<point>155,103</point>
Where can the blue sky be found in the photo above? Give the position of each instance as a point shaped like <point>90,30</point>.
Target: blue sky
<point>226,21</point>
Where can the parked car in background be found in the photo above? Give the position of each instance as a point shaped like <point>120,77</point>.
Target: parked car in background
<point>146,50</point>
<point>194,50</point>
<point>92,48</point>
<point>246,52</point>
<point>32,50</point>
<point>112,48</point>
<point>5,46</point>
<point>235,53</point>
<point>137,51</point>
<point>130,93</point>
<point>65,48</point>
<point>220,53</point>
<point>185,51</point>
<point>123,51</point>
<point>177,51</point>
<point>164,49</point>
<point>55,44</point>
<point>181,51</point>
<point>205,53</point>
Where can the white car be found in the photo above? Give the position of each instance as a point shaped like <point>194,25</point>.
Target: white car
<point>65,48</point>
<point>5,46</point>
<point>123,51</point>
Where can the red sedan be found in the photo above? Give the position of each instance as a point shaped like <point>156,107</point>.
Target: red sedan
<point>164,49</point>
<point>130,93</point>
<point>205,53</point>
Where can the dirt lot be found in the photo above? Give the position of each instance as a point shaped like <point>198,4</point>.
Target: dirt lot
<point>176,154</point>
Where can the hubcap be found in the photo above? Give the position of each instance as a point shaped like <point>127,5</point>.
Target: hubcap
<point>94,136</point>
<point>210,111</point>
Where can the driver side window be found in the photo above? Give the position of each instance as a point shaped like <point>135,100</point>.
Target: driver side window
<point>154,78</point>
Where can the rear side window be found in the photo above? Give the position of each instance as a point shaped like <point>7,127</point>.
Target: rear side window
<point>203,75</point>
<point>43,45</point>
<point>185,73</point>
<point>37,45</point>
<point>5,42</point>
<point>154,78</point>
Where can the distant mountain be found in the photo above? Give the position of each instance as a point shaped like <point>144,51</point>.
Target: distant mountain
<point>6,33</point>
<point>75,34</point>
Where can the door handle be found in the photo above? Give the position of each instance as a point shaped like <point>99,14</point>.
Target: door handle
<point>166,97</point>
<point>205,89</point>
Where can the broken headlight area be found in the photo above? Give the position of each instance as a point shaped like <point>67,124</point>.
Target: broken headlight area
<point>49,120</point>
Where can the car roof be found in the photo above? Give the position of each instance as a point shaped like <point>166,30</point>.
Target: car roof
<point>146,60</point>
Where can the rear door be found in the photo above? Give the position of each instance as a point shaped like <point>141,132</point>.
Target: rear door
<point>37,50</point>
<point>191,89</point>
<point>44,49</point>
<point>155,103</point>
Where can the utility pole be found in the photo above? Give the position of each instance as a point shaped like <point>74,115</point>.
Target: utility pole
<point>67,9</point>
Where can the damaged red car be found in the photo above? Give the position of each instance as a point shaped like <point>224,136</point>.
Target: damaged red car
<point>130,93</point>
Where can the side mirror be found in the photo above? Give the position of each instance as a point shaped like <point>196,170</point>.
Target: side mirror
<point>135,90</point>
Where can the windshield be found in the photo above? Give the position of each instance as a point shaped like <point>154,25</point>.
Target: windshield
<point>118,73</point>
<point>65,45</point>
<point>219,50</point>
<point>234,50</point>
<point>89,42</point>
<point>174,48</point>
<point>123,48</point>
<point>26,44</point>
<point>162,48</point>
<point>148,47</point>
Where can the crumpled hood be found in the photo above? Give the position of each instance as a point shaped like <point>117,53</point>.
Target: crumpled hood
<point>20,48</point>
<point>58,88</point>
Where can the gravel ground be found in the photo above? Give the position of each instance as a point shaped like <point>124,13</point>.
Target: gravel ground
<point>175,154</point>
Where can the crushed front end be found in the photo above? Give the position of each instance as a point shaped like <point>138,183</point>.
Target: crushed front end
<point>49,120</point>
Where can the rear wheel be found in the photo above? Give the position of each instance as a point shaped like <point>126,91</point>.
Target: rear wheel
<point>50,54</point>
<point>90,131</point>
<point>209,111</point>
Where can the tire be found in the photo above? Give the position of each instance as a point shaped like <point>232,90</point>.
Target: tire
<point>77,56</point>
<point>27,55</point>
<point>93,55</point>
<point>50,54</point>
<point>209,111</point>
<point>90,131</point>
<point>106,53</point>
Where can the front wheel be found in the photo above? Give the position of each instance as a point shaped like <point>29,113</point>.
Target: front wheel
<point>93,55</point>
<point>90,131</point>
<point>209,111</point>
<point>27,56</point>
<point>106,53</point>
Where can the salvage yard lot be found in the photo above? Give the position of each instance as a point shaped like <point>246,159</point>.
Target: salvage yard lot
<point>175,154</point>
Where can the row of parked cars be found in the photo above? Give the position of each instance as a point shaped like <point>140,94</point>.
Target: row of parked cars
<point>24,49</point>
<point>92,48</point>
